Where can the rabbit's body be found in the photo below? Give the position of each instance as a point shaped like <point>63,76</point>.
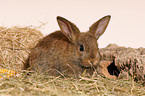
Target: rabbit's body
<point>67,52</point>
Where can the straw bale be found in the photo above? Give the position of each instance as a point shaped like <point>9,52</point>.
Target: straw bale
<point>15,43</point>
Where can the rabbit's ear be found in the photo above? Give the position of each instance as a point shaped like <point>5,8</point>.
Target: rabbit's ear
<point>99,27</point>
<point>69,29</point>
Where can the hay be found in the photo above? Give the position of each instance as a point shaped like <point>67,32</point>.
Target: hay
<point>42,85</point>
<point>129,61</point>
<point>15,43</point>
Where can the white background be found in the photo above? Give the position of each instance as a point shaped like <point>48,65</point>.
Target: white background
<point>127,26</point>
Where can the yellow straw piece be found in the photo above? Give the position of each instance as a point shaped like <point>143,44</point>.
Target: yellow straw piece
<point>5,73</point>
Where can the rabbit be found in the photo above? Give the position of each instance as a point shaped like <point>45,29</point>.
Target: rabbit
<point>68,52</point>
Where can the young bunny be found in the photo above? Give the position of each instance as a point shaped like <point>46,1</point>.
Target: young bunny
<point>68,52</point>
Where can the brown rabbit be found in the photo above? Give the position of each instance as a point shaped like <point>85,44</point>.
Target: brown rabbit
<point>68,52</point>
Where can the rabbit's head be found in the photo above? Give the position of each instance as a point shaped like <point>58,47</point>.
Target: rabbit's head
<point>85,43</point>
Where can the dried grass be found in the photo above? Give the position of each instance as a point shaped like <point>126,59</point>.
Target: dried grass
<point>41,85</point>
<point>14,45</point>
<point>129,61</point>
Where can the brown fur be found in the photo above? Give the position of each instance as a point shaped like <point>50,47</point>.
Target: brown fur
<point>59,53</point>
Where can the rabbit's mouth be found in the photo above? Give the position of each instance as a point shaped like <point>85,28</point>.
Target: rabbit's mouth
<point>90,63</point>
<point>95,63</point>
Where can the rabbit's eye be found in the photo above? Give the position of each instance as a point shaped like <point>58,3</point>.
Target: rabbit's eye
<point>81,48</point>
